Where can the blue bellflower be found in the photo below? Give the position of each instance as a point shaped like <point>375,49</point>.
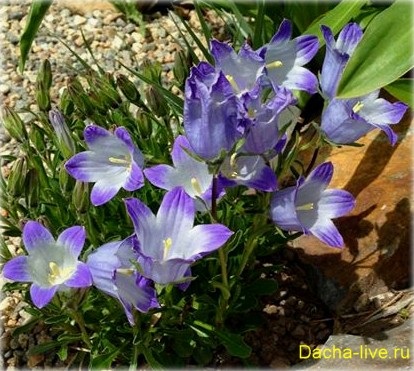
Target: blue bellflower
<point>168,243</point>
<point>112,162</point>
<point>337,55</point>
<point>186,172</point>
<point>113,273</point>
<point>211,112</point>
<point>284,59</point>
<point>51,265</point>
<point>309,207</point>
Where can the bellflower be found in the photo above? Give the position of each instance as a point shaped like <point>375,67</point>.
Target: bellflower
<point>168,243</point>
<point>113,273</point>
<point>309,207</point>
<point>337,55</point>
<point>187,172</point>
<point>285,57</point>
<point>242,70</point>
<point>211,112</point>
<point>250,171</point>
<point>345,121</point>
<point>263,132</point>
<point>51,265</point>
<point>112,162</point>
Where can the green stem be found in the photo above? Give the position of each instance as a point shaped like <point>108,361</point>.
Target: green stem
<point>77,316</point>
<point>136,344</point>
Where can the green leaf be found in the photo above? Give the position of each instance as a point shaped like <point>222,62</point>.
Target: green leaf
<point>336,18</point>
<point>234,344</point>
<point>262,286</point>
<point>383,54</point>
<point>402,89</point>
<point>37,11</point>
<point>104,360</point>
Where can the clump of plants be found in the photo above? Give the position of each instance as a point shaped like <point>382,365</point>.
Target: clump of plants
<point>145,215</point>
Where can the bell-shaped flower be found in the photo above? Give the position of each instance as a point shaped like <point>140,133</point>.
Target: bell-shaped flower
<point>247,170</point>
<point>337,55</point>
<point>285,57</point>
<point>262,134</point>
<point>186,172</point>
<point>114,274</point>
<point>309,207</point>
<point>211,112</point>
<point>112,162</point>
<point>168,243</point>
<point>50,265</point>
<point>345,121</point>
<point>242,70</point>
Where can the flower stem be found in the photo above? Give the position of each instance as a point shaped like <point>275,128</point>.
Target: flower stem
<point>77,316</point>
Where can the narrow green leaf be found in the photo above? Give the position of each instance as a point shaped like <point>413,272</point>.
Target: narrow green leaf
<point>37,12</point>
<point>402,89</point>
<point>104,360</point>
<point>383,54</point>
<point>234,344</point>
<point>336,18</point>
<point>258,36</point>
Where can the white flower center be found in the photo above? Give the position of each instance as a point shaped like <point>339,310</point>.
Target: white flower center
<point>58,275</point>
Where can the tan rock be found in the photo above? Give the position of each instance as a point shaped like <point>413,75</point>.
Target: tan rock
<point>86,6</point>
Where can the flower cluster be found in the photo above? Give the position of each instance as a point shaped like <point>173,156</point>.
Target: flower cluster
<point>235,117</point>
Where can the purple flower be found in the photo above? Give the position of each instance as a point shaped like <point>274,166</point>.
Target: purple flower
<point>309,207</point>
<point>262,134</point>
<point>187,172</point>
<point>250,171</point>
<point>211,112</point>
<point>337,55</point>
<point>345,121</point>
<point>112,162</point>
<point>242,70</point>
<point>113,273</point>
<point>285,57</point>
<point>168,243</point>
<point>51,265</point>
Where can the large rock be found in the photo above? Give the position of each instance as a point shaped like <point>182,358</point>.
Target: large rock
<point>376,255</point>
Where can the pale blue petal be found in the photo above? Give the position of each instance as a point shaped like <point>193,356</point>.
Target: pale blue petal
<point>81,277</point>
<point>41,296</point>
<point>73,239</point>
<point>35,236</point>
<point>17,269</point>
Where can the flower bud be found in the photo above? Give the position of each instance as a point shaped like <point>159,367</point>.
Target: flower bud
<point>45,75</point>
<point>66,182</point>
<point>80,196</point>
<point>17,177</point>
<point>182,66</point>
<point>151,70</point>
<point>32,188</point>
<point>157,102</point>
<point>106,93</point>
<point>64,139</point>
<point>79,97</point>
<point>144,124</point>
<point>66,104</point>
<point>128,89</point>
<point>14,124</point>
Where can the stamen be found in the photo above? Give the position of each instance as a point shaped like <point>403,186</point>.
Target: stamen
<point>232,82</point>
<point>357,107</point>
<point>305,207</point>
<point>251,113</point>
<point>125,271</point>
<point>275,64</point>
<point>167,246</point>
<point>121,161</point>
<point>57,275</point>
<point>196,186</point>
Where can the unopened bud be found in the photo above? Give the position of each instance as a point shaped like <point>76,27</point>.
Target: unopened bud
<point>45,74</point>
<point>182,65</point>
<point>17,177</point>
<point>79,97</point>
<point>151,70</point>
<point>64,139</point>
<point>66,104</point>
<point>66,182</point>
<point>32,188</point>
<point>14,124</point>
<point>80,196</point>
<point>128,89</point>
<point>106,93</point>
<point>157,102</point>
<point>144,124</point>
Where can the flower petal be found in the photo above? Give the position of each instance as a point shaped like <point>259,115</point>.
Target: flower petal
<point>283,34</point>
<point>335,203</point>
<point>306,46</point>
<point>17,269</point>
<point>103,191</point>
<point>123,134</point>
<point>326,231</point>
<point>161,176</point>
<point>81,278</point>
<point>175,216</point>
<point>301,79</point>
<point>283,210</point>
<point>316,182</point>
<point>73,239</point>
<point>94,133</point>
<point>35,236</point>
<point>202,240</point>
<point>41,296</point>
<point>349,38</point>
<point>380,111</point>
<point>179,156</point>
<point>135,179</point>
